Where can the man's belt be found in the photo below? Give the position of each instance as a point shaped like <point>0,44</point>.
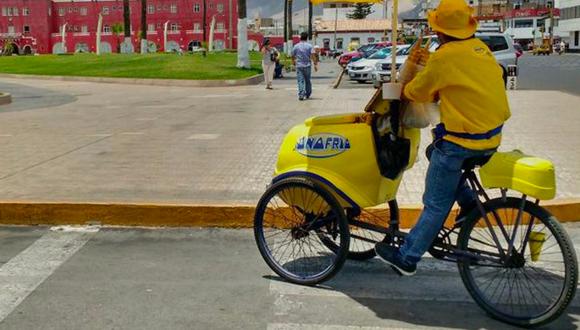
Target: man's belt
<point>439,132</point>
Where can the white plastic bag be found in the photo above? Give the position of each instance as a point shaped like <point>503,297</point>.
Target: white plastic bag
<point>420,115</point>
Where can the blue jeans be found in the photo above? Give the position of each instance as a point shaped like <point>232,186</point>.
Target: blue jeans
<point>304,84</point>
<point>441,191</point>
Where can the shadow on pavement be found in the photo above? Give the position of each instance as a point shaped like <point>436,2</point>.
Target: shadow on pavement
<point>25,97</point>
<point>435,297</point>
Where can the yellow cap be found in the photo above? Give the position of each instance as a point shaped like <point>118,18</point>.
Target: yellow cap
<point>453,18</point>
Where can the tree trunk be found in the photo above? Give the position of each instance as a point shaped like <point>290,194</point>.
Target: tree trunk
<point>126,19</point>
<point>310,36</point>
<point>204,22</point>
<point>243,55</point>
<point>127,45</point>
<point>290,30</point>
<point>285,21</point>
<point>143,36</point>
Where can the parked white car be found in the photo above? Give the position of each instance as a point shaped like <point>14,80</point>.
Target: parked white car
<point>501,45</point>
<point>382,70</point>
<point>362,70</point>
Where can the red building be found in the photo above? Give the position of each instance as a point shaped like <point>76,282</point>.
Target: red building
<point>35,26</point>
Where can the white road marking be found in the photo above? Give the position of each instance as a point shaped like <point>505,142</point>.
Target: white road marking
<point>24,273</point>
<point>99,135</point>
<point>215,96</point>
<point>132,133</point>
<point>203,136</point>
<point>147,119</point>
<point>5,135</point>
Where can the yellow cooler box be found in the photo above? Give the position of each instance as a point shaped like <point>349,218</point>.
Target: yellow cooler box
<point>515,170</point>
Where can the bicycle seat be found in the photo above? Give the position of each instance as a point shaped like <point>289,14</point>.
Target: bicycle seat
<point>473,162</point>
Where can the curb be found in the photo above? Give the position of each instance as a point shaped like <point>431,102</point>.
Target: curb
<point>5,98</point>
<point>169,215</point>
<point>253,80</point>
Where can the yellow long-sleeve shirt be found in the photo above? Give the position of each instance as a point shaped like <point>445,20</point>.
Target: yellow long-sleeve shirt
<point>468,81</point>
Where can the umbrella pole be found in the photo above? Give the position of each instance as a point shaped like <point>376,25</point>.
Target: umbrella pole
<point>394,34</point>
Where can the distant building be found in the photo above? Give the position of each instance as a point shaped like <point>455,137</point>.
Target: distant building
<point>35,26</point>
<point>570,23</point>
<point>348,31</point>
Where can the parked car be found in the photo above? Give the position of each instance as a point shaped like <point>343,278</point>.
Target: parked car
<point>500,44</point>
<point>362,71</point>
<point>345,58</point>
<point>382,70</point>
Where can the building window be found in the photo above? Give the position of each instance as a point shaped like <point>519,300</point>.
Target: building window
<point>70,10</point>
<point>106,29</point>
<point>150,9</point>
<point>25,11</point>
<point>576,38</point>
<point>150,27</point>
<point>49,11</point>
<point>220,7</point>
<point>174,27</point>
<point>158,26</point>
<point>15,11</point>
<point>61,11</point>
<point>84,11</point>
<point>173,9</point>
<point>196,8</point>
<point>220,26</point>
<point>196,27</point>
<point>339,43</point>
<point>84,29</point>
<point>210,5</point>
<point>105,10</point>
<point>4,11</point>
<point>371,40</point>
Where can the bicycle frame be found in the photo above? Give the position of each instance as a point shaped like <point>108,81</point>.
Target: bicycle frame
<point>449,252</point>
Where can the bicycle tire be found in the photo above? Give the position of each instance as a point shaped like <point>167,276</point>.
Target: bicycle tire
<point>555,309</point>
<point>342,225</point>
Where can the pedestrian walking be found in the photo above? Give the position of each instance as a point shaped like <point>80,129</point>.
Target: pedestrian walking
<point>269,58</point>
<point>302,57</point>
<point>562,47</point>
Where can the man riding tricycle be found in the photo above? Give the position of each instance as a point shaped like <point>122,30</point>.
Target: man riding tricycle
<point>333,195</point>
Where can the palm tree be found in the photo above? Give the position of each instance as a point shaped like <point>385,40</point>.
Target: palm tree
<point>243,56</point>
<point>143,34</point>
<point>127,23</point>
<point>117,30</point>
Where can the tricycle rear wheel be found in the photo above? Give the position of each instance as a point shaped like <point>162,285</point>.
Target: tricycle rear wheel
<point>290,218</point>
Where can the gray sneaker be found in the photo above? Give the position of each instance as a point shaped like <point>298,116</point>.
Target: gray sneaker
<point>390,255</point>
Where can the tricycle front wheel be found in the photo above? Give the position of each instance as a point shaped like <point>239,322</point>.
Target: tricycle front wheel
<point>291,217</point>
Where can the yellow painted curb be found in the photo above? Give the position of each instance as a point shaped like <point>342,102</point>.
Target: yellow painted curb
<point>168,215</point>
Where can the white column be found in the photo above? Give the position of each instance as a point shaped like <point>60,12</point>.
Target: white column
<point>99,29</point>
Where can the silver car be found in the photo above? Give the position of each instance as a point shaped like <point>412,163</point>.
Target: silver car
<point>500,44</point>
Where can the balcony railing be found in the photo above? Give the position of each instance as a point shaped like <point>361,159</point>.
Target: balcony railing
<point>11,35</point>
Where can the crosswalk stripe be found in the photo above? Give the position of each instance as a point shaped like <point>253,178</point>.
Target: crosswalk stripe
<point>25,272</point>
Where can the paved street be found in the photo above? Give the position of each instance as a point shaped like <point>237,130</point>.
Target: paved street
<point>111,278</point>
<point>552,72</point>
<point>70,141</point>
